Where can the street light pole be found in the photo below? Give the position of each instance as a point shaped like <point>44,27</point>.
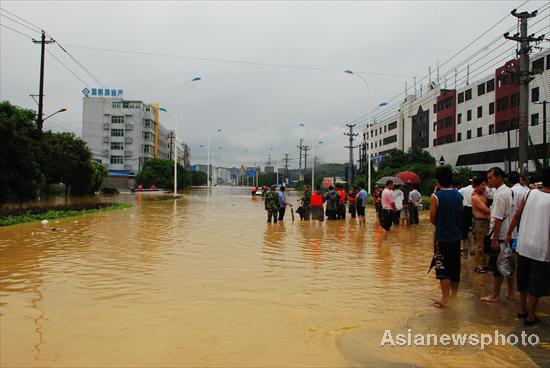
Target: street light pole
<point>208,184</point>
<point>313,163</point>
<point>196,79</point>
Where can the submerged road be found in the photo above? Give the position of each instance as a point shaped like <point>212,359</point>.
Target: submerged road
<point>204,281</point>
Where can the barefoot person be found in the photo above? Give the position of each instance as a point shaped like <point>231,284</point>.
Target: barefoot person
<point>501,216</point>
<point>482,214</point>
<point>533,249</point>
<point>446,215</point>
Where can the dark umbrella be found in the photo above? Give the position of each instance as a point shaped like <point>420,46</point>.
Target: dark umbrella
<point>409,177</point>
<point>385,179</point>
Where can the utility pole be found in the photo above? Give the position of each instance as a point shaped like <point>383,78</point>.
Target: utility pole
<point>285,174</point>
<point>544,134</point>
<point>524,78</point>
<point>305,148</point>
<point>301,146</point>
<point>40,118</point>
<point>351,135</point>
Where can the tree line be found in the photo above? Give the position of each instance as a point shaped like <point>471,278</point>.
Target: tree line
<point>31,160</point>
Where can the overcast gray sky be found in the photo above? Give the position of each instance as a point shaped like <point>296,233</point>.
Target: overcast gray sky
<point>257,106</point>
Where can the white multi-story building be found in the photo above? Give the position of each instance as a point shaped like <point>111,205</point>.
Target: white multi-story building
<point>124,134</point>
<point>475,125</point>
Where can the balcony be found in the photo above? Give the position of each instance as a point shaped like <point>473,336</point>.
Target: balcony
<point>128,167</point>
<point>106,139</point>
<point>106,126</point>
<point>128,126</point>
<point>128,140</point>
<point>127,153</point>
<point>105,152</point>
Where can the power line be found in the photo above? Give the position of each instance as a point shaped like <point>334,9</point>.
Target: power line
<point>16,21</point>
<point>38,29</point>
<point>16,31</point>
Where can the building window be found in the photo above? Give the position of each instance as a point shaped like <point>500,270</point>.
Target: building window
<point>459,137</point>
<point>435,108</point>
<point>490,85</point>
<point>459,118</point>
<point>117,146</point>
<point>117,132</point>
<point>117,119</point>
<point>461,97</point>
<point>147,123</point>
<point>538,66</point>
<point>479,131</point>
<point>502,104</point>
<point>148,108</point>
<point>147,136</point>
<point>392,126</point>
<point>468,94</point>
<point>514,100</point>
<point>535,94</point>
<point>534,119</point>
<point>117,105</point>
<point>469,115</point>
<point>492,129</point>
<point>380,130</point>
<point>385,128</point>
<point>481,89</point>
<point>503,80</point>
<point>117,160</point>
<point>514,123</point>
<point>390,139</point>
<point>469,134</point>
<point>449,122</point>
<point>491,108</point>
<point>547,62</point>
<point>147,148</point>
<point>479,111</point>
<point>435,126</point>
<point>502,126</point>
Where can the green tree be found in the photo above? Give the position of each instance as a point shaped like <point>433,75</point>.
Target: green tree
<point>198,178</point>
<point>20,153</point>
<point>100,174</point>
<point>161,174</point>
<point>67,160</point>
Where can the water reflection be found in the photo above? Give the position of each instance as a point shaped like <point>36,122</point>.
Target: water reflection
<point>205,281</point>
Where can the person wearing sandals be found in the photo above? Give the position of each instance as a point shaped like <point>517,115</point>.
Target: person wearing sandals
<point>482,214</point>
<point>502,211</point>
<point>533,248</point>
<point>446,215</point>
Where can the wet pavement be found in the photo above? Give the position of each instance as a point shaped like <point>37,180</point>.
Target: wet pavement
<point>205,281</point>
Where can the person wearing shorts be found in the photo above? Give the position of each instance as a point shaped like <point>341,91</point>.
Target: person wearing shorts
<point>533,247</point>
<point>446,215</point>
<point>361,203</point>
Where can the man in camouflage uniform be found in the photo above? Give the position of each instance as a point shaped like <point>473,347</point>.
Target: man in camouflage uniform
<point>272,204</point>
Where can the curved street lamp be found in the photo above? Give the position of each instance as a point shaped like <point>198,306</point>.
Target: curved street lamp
<point>175,133</point>
<point>57,112</point>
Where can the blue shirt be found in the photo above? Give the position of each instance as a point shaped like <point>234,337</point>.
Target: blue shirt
<point>282,199</point>
<point>362,196</point>
<point>448,220</point>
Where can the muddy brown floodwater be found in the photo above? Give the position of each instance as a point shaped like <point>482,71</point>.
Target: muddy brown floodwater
<point>205,281</point>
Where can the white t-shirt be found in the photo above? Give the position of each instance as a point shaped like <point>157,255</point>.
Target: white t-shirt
<point>398,198</point>
<point>519,193</point>
<point>467,195</point>
<point>534,227</point>
<point>502,209</point>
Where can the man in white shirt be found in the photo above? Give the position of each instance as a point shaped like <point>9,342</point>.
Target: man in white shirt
<point>467,214</point>
<point>501,217</point>
<point>398,197</point>
<point>519,193</point>
<point>533,248</point>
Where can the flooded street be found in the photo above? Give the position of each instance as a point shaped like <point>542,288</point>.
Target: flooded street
<point>206,282</point>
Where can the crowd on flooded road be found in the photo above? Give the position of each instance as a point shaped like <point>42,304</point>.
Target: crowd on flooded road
<point>503,222</point>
